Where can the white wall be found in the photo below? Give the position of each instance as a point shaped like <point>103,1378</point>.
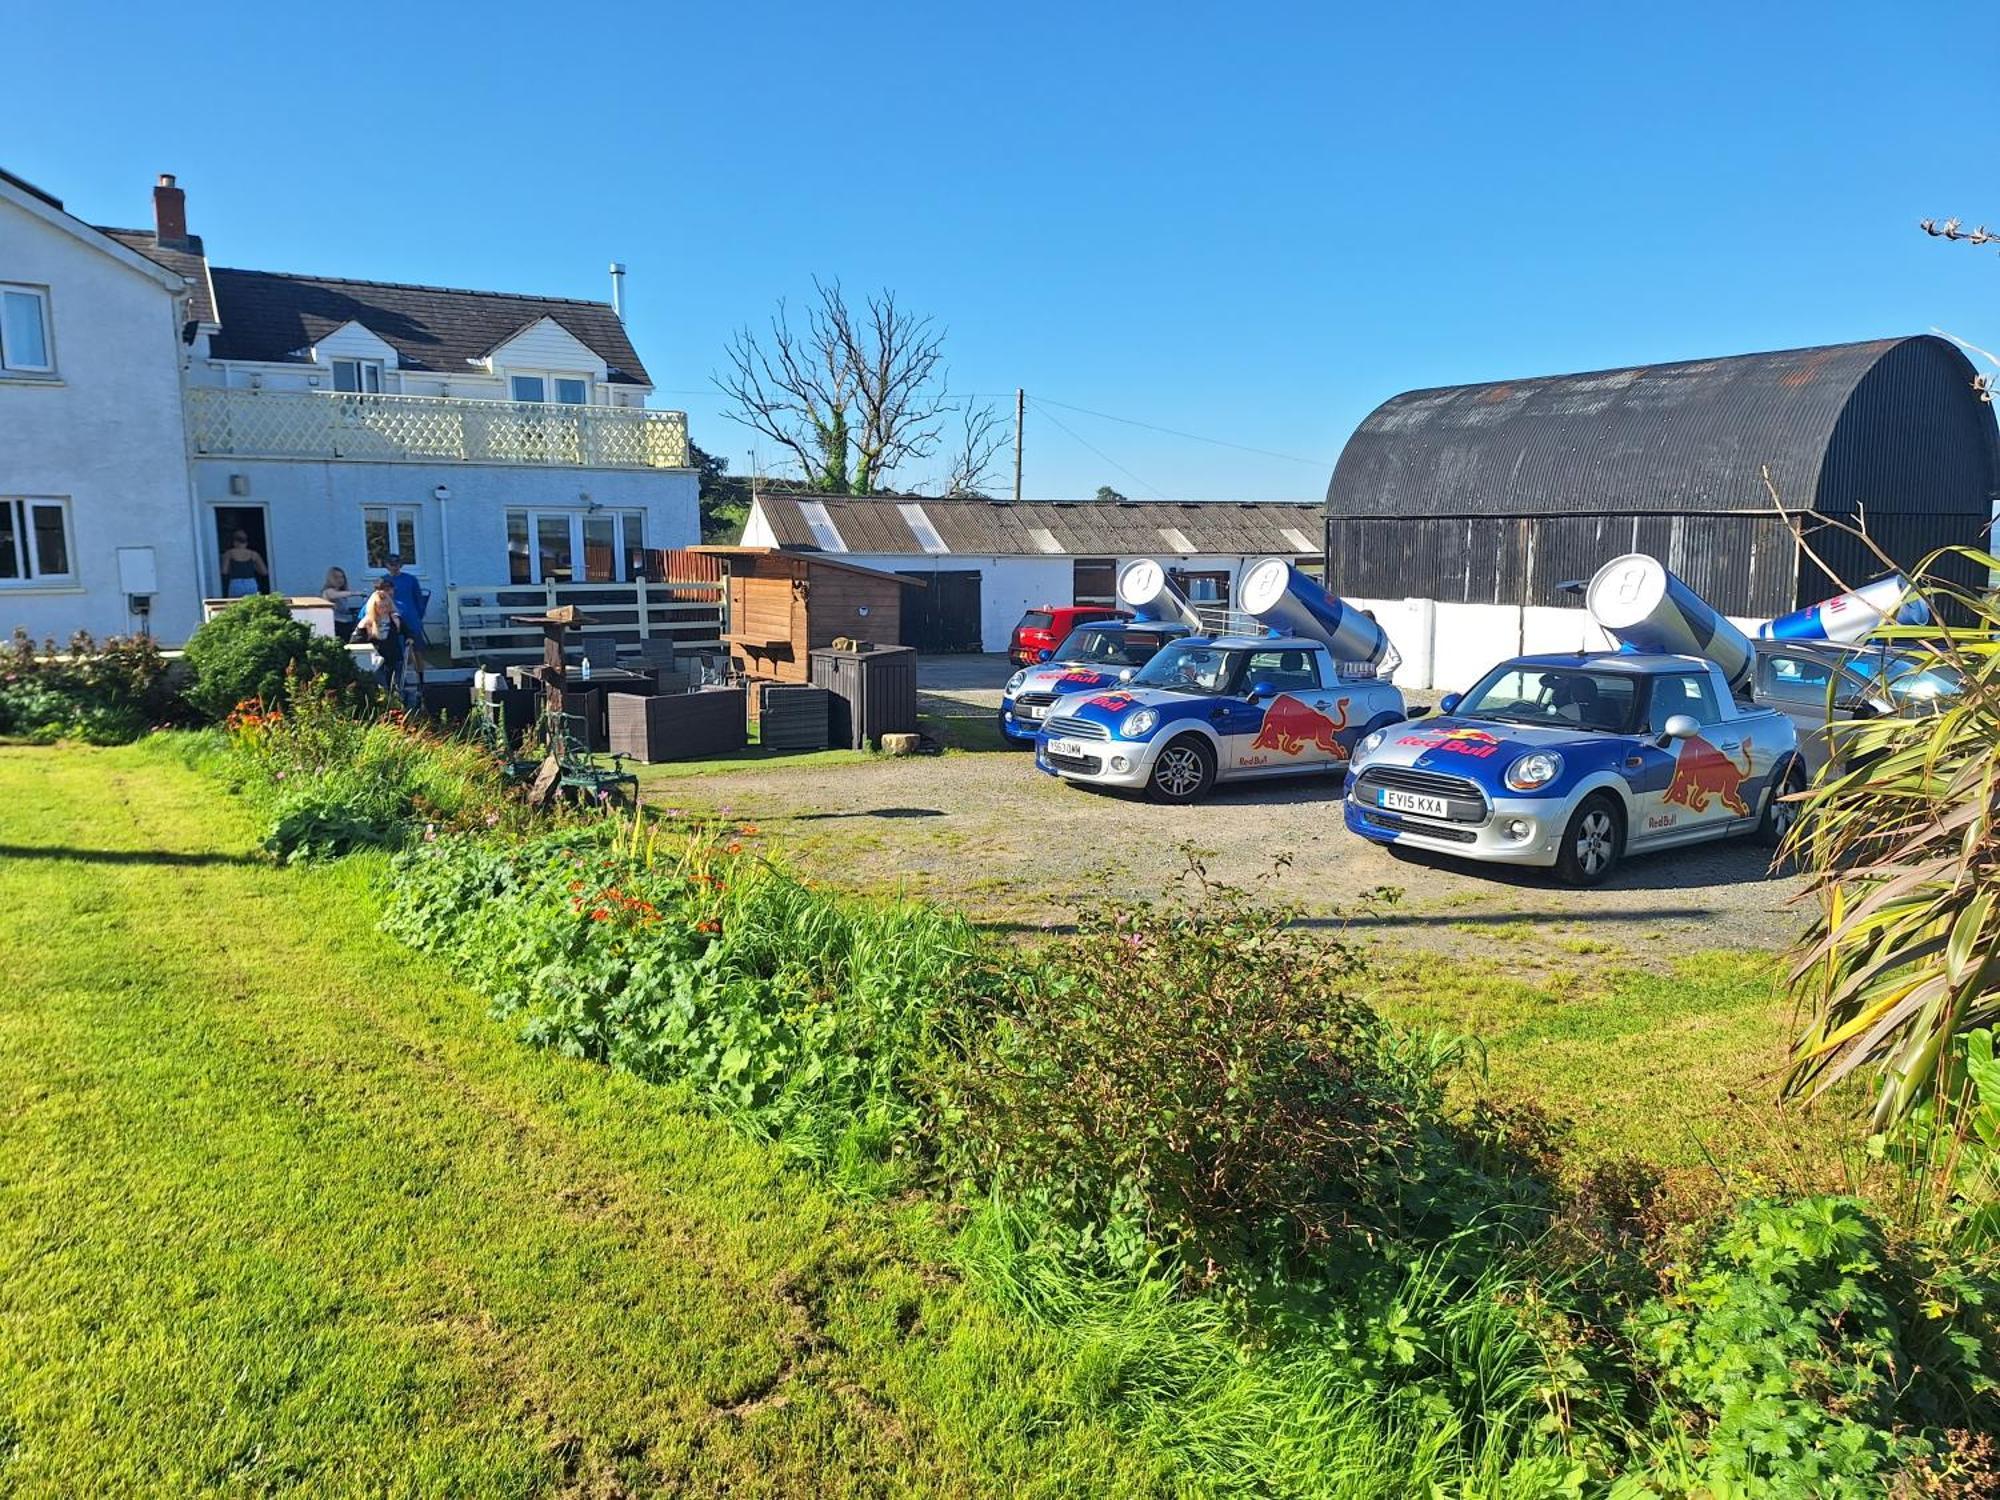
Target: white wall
<point>547,345</point>
<point>106,433</point>
<point>313,512</point>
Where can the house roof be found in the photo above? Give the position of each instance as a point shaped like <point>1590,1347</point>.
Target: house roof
<point>190,264</point>
<point>919,526</point>
<point>267,315</point>
<point>1895,423</point>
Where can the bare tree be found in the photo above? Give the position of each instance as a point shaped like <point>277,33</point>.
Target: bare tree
<point>851,395</point>
<point>981,436</point>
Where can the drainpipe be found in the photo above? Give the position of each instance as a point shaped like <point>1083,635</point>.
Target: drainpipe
<point>443,496</point>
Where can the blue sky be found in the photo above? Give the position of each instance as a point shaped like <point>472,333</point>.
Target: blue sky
<point>1248,223</point>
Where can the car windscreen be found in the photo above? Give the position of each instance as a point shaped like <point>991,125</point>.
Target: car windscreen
<point>1187,668</point>
<point>1108,648</point>
<point>1556,697</point>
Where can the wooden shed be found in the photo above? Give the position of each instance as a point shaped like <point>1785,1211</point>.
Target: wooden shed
<point>784,604</point>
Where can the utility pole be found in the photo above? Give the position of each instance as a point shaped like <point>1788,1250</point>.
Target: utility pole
<point>1020,410</point>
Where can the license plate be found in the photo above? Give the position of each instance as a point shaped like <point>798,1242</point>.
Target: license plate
<point>1411,802</point>
<point>1028,711</point>
<point>1072,748</point>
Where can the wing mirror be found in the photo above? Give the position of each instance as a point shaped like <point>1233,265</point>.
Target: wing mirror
<point>1259,691</point>
<point>1448,704</point>
<point>1043,655</point>
<point>1680,727</point>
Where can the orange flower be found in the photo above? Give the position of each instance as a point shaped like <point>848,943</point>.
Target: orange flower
<point>599,914</point>
<point>710,926</point>
<point>734,849</point>
<point>749,830</point>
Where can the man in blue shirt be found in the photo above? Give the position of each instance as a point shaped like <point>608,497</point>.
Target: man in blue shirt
<point>410,600</point>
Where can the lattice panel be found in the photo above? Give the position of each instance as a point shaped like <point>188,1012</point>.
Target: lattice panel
<point>319,424</point>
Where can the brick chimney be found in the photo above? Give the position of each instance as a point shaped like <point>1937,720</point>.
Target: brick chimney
<point>170,215</point>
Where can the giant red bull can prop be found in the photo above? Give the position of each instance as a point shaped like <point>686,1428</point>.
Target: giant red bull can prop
<point>1847,618</point>
<point>1637,602</point>
<point>1145,589</point>
<point>1283,598</point>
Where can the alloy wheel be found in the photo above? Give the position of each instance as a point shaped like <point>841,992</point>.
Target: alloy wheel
<point>1593,842</point>
<point>1180,771</point>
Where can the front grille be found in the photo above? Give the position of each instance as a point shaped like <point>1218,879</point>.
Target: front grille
<point>1034,700</point>
<point>1063,727</point>
<point>1463,802</point>
<point>1090,765</point>
<point>1403,779</point>
<point>1400,824</point>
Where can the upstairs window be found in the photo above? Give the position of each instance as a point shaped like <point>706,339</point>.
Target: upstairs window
<point>361,377</point>
<point>25,345</point>
<point>568,390</point>
<point>34,542</point>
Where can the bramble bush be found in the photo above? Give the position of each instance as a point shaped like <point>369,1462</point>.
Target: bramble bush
<point>254,651</point>
<point>107,692</point>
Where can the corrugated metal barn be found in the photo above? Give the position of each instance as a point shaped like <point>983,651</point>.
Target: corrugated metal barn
<point>1495,494</point>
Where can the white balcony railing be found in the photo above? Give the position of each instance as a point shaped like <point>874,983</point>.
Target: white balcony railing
<point>431,429</point>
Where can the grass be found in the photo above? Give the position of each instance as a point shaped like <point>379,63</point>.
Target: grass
<point>1679,1063</point>
<point>280,1208</point>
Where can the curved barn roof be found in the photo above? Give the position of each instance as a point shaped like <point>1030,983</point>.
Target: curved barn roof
<point>1890,423</point>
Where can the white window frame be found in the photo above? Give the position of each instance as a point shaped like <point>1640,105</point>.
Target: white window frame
<point>619,517</point>
<point>364,368</point>
<point>392,518</point>
<point>26,565</point>
<point>8,366</point>
<point>548,378</point>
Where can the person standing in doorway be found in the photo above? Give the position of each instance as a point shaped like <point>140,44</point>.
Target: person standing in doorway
<point>411,597</point>
<point>243,570</point>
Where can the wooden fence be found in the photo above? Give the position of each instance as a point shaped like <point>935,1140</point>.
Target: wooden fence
<point>690,614</point>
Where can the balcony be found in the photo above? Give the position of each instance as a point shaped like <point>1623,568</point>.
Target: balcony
<point>431,429</point>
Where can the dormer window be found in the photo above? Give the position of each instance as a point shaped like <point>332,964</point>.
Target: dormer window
<point>568,390</point>
<point>361,377</point>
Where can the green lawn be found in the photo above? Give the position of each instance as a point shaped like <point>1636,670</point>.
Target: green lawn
<point>280,1208</point>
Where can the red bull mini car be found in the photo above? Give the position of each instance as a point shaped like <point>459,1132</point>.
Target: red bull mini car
<point>1102,655</point>
<point>1570,761</point>
<point>1225,709</point>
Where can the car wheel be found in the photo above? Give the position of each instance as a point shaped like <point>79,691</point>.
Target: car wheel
<point>1593,843</point>
<point>1779,814</point>
<point>1183,771</point>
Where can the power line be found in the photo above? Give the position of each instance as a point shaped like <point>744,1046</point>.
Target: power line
<point>1102,454</point>
<point>1317,463</point>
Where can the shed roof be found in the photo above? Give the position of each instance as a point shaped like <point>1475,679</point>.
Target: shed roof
<point>917,525</point>
<point>817,560</point>
<point>1690,436</point>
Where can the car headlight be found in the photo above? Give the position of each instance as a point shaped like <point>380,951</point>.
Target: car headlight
<point>1014,682</point>
<point>1373,741</point>
<point>1533,772</point>
<point>1139,723</point>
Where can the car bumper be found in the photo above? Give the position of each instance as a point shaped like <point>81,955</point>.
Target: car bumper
<point>1137,755</point>
<point>1016,730</point>
<point>1495,841</point>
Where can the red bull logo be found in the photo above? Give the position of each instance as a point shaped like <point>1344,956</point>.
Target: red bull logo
<point>1703,772</point>
<point>1455,741</point>
<point>1111,703</point>
<point>1290,725</point>
<point>1081,680</point>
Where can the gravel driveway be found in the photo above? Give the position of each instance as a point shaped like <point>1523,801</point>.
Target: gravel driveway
<point>990,835</point>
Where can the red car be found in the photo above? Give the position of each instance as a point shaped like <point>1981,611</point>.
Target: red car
<point>1046,628</point>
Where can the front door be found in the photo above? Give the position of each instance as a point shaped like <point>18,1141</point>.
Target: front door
<point>252,522</point>
<point>944,614</point>
<point>1716,774</point>
<point>1299,725</point>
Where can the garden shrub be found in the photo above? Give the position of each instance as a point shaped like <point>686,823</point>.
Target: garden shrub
<point>254,650</point>
<point>104,692</point>
<point>1816,1358</point>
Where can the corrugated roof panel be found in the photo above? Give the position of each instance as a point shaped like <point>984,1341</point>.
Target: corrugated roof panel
<point>1044,539</point>
<point>1299,540</point>
<point>921,528</point>
<point>1177,539</point>
<point>824,533</point>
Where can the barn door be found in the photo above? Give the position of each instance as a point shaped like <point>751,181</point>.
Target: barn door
<point>944,614</point>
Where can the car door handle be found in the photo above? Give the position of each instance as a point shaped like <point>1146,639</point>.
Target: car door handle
<point>1729,747</point>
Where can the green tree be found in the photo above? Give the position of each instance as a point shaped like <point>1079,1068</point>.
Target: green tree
<point>1107,495</point>
<point>725,498</point>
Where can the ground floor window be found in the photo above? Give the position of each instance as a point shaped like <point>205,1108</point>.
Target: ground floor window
<point>35,541</point>
<point>1204,588</point>
<point>567,546</point>
<point>1094,580</point>
<point>390,530</point>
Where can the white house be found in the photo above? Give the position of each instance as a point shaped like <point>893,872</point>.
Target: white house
<point>94,488</point>
<point>986,562</point>
<point>486,438</point>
